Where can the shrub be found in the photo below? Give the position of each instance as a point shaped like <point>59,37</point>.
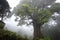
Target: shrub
<point>2,24</point>
<point>46,38</point>
<point>7,35</point>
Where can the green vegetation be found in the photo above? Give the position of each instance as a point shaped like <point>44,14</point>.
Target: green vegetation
<point>55,8</point>
<point>4,9</point>
<point>7,35</point>
<point>2,24</point>
<point>29,10</point>
<point>47,38</point>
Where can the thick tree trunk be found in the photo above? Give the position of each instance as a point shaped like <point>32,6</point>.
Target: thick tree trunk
<point>37,31</point>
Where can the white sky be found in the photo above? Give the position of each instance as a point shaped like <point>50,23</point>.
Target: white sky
<point>13,3</point>
<point>58,1</point>
<point>10,22</point>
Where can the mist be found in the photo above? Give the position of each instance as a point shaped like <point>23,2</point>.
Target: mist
<point>24,30</point>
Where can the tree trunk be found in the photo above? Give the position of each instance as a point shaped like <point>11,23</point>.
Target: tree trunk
<point>37,31</point>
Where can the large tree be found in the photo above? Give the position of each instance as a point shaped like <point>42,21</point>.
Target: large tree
<point>4,8</point>
<point>54,29</point>
<point>35,10</point>
<point>56,8</point>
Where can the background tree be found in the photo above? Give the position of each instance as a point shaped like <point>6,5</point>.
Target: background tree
<point>4,8</point>
<point>35,10</point>
<point>55,8</point>
<point>53,30</point>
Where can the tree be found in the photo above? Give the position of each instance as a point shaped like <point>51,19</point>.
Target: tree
<point>55,8</point>
<point>4,8</point>
<point>54,30</point>
<point>33,10</point>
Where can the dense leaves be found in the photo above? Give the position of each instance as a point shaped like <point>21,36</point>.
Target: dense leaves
<point>7,35</point>
<point>2,24</point>
<point>27,12</point>
<point>43,16</point>
<point>55,7</point>
<point>4,8</point>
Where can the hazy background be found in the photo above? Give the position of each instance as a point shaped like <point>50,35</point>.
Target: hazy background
<point>12,25</point>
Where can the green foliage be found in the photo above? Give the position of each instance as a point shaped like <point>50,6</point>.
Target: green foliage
<point>55,7</point>
<point>43,16</point>
<point>27,12</point>
<point>46,38</point>
<point>4,9</point>
<point>7,35</point>
<point>2,24</point>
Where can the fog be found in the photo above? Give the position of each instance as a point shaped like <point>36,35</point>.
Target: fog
<point>11,24</point>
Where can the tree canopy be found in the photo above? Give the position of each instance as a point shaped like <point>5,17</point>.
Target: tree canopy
<point>55,7</point>
<point>35,10</point>
<point>28,9</point>
<point>4,8</point>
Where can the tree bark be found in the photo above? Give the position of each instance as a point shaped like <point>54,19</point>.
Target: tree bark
<point>37,31</point>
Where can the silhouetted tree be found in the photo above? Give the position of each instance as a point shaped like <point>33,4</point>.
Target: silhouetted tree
<point>4,9</point>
